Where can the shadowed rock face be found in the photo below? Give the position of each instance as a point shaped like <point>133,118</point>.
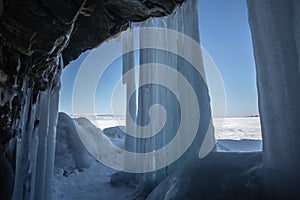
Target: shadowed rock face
<point>43,28</point>
<point>39,37</point>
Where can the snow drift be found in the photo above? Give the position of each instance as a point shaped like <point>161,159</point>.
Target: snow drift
<point>77,138</point>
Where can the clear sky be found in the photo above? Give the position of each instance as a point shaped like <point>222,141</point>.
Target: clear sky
<point>224,33</point>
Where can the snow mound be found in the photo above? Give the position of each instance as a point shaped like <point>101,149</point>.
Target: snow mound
<point>70,152</point>
<point>78,139</point>
<point>98,144</point>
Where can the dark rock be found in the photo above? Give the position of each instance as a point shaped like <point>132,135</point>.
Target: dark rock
<point>7,176</point>
<point>100,20</point>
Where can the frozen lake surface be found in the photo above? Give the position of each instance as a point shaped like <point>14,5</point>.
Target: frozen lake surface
<point>237,128</point>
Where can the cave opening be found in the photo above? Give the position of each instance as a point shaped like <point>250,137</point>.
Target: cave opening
<point>39,38</point>
<point>228,128</point>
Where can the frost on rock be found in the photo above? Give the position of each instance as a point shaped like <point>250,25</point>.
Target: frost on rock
<point>142,111</point>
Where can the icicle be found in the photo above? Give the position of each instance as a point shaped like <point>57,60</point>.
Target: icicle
<point>128,64</point>
<point>189,25</point>
<point>22,180</point>
<point>36,145</point>
<point>51,138</point>
<point>145,100</point>
<point>42,144</point>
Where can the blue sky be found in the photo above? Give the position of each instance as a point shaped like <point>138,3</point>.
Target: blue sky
<point>224,33</point>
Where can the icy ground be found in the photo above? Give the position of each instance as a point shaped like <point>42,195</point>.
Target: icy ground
<point>89,184</point>
<point>72,182</point>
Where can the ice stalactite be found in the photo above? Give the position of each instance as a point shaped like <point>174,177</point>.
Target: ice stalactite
<point>148,96</point>
<point>128,64</point>
<point>185,21</point>
<point>36,143</point>
<point>276,40</point>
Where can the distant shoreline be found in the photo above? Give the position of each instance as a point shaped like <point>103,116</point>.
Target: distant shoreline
<point>123,116</point>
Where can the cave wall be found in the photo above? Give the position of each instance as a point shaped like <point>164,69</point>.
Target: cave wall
<point>37,39</point>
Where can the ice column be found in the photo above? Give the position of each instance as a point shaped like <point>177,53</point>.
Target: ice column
<point>187,23</point>
<point>149,95</point>
<point>275,27</point>
<point>184,20</point>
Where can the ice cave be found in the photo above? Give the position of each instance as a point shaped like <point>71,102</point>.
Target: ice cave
<point>166,148</point>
